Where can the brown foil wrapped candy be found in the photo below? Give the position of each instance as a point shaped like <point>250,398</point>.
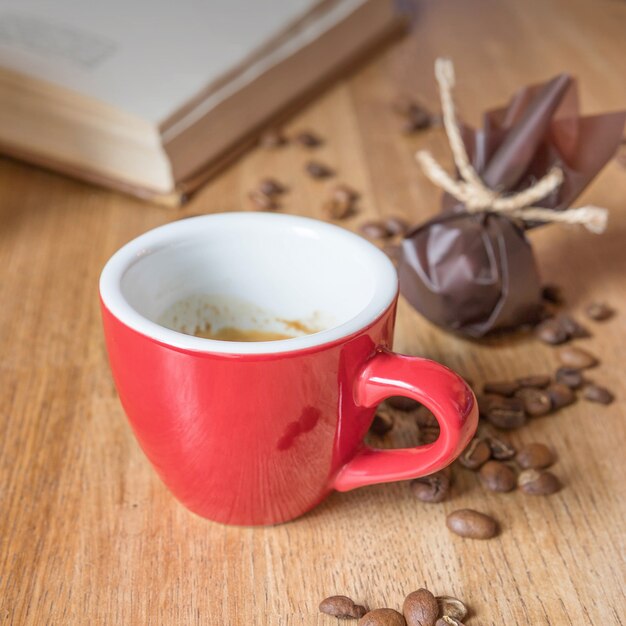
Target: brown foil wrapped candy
<point>457,271</point>
<point>471,269</point>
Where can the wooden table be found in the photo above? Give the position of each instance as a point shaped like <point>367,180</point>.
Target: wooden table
<point>88,533</point>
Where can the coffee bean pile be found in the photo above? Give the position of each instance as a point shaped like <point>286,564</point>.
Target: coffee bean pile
<point>505,405</point>
<point>420,608</point>
<point>341,201</point>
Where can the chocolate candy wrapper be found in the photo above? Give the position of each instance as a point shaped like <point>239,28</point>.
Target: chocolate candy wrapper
<point>475,272</point>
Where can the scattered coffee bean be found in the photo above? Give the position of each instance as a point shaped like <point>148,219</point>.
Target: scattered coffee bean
<point>382,423</point>
<point>501,450</point>
<point>535,456</point>
<point>551,332</point>
<point>396,226</point>
<point>342,607</point>
<point>402,403</point>
<point>577,358</point>
<point>341,203</point>
<point>451,607</point>
<point>540,381</point>
<point>429,434</point>
<point>560,395</point>
<point>573,329</point>
<point>375,230</point>
<point>318,170</point>
<point>505,413</point>
<point>501,387</point>
<point>420,608</point>
<point>537,402</point>
<point>596,393</point>
<point>382,617</point>
<point>471,524</point>
<point>272,138</point>
<point>262,201</point>
<point>425,419</point>
<point>599,311</point>
<point>573,378</point>
<point>476,453</point>
<point>538,482</point>
<point>417,118</point>
<point>497,476</point>
<point>553,294</point>
<point>271,187</point>
<point>433,488</point>
<point>308,139</point>
<point>447,620</point>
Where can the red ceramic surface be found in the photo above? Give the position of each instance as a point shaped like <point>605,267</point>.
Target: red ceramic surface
<point>262,438</point>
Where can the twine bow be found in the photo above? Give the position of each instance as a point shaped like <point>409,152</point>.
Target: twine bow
<point>472,191</point>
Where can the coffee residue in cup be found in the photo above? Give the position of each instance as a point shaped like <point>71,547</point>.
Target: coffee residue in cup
<point>230,333</point>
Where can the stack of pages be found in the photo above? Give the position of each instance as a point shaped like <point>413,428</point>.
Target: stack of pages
<point>149,96</point>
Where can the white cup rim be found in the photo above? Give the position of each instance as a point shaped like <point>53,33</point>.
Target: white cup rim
<point>113,299</point>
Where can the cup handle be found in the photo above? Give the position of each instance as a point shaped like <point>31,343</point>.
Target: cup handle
<point>438,388</point>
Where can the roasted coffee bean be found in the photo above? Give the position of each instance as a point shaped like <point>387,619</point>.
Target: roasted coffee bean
<point>262,201</point>
<point>551,332</point>
<point>553,294</point>
<point>560,395</point>
<point>577,358</point>
<point>420,608</point>
<point>535,456</point>
<point>272,138</point>
<point>538,482</point>
<point>382,617</point>
<point>342,607</point>
<point>497,476</point>
<point>501,450</point>
<point>433,488</point>
<point>471,524</point>
<point>596,393</point>
<point>573,378</point>
<point>402,403</point>
<point>271,187</point>
<point>382,423</point>
<point>599,311</point>
<point>447,620</point>
<point>396,225</point>
<point>506,413</point>
<point>308,139</point>
<point>318,170</point>
<point>540,381</point>
<point>375,230</point>
<point>417,118</point>
<point>451,607</point>
<point>573,329</point>
<point>341,203</point>
<point>425,419</point>
<point>501,387</point>
<point>476,453</point>
<point>429,434</point>
<point>537,402</point>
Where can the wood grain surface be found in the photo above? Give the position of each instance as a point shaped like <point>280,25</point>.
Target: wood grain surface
<point>89,535</point>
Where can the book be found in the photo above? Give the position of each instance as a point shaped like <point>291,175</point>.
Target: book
<point>151,97</point>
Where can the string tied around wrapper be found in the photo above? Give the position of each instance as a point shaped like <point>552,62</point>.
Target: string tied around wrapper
<point>478,197</point>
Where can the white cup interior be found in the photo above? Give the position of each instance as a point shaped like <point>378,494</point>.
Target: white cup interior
<point>271,272</point>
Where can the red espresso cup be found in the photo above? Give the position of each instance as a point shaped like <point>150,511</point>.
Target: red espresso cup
<point>259,432</point>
